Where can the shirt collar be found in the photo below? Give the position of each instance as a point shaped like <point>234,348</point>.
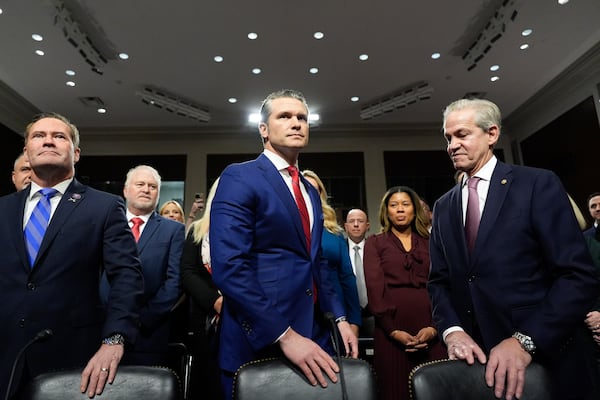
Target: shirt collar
<point>61,188</point>
<point>485,173</point>
<point>145,217</point>
<point>277,160</point>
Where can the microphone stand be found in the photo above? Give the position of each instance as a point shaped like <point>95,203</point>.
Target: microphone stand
<point>336,347</point>
<point>41,335</point>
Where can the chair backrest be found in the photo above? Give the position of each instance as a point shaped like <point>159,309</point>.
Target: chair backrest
<point>457,380</point>
<point>278,379</point>
<point>131,382</point>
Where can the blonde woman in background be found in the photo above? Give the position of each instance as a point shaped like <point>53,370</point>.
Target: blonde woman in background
<point>335,251</point>
<point>172,210</point>
<point>206,302</point>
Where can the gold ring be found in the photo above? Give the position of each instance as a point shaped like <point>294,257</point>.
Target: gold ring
<point>104,369</point>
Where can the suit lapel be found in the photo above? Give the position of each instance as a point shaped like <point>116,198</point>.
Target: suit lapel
<point>70,200</point>
<point>316,231</point>
<point>273,177</point>
<point>499,187</point>
<point>15,219</point>
<point>456,223</point>
<point>149,231</point>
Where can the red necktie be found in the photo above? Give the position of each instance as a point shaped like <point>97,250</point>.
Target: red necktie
<point>137,222</point>
<point>473,216</point>
<point>300,203</point>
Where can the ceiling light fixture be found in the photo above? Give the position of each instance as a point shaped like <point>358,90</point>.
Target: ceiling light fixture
<point>37,37</point>
<point>493,30</point>
<point>174,104</point>
<point>436,56</point>
<point>74,34</point>
<point>405,97</point>
<point>318,35</point>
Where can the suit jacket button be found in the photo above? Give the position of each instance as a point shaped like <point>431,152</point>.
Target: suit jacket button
<point>22,323</point>
<point>308,292</point>
<point>30,286</point>
<point>471,278</point>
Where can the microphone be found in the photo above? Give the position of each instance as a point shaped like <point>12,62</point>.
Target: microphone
<point>335,335</point>
<point>40,336</point>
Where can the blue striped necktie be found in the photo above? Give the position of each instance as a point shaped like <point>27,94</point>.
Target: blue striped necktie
<point>38,222</point>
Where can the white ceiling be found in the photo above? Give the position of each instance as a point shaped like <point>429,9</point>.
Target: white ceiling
<point>172,44</point>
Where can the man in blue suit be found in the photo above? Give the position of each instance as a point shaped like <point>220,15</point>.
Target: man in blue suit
<point>87,234</point>
<point>160,244</point>
<point>521,292</point>
<point>263,260</point>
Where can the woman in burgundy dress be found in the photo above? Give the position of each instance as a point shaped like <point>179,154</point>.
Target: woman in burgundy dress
<point>396,264</point>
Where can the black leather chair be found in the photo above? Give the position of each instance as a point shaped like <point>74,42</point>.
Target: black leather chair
<point>131,382</point>
<point>278,379</point>
<point>457,380</point>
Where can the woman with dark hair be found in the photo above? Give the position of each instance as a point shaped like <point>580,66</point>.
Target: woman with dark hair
<point>396,264</point>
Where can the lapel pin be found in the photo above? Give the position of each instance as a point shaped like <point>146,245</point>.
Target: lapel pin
<point>503,181</point>
<point>74,197</point>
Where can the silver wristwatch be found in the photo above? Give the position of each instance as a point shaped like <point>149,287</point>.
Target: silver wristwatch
<point>117,338</point>
<point>525,341</point>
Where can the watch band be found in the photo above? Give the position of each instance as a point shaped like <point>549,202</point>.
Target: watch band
<point>526,342</point>
<point>116,338</point>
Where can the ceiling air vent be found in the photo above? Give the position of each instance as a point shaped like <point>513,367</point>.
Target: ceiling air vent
<point>92,102</point>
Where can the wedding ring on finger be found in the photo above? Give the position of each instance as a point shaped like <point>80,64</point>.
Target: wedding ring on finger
<point>104,369</point>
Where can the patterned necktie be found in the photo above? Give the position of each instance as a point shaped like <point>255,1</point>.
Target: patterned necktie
<point>473,214</point>
<point>38,222</point>
<point>360,278</point>
<point>135,229</point>
<point>300,203</point>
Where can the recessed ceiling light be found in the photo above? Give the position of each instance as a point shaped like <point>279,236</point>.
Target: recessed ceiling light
<point>37,37</point>
<point>562,2</point>
<point>526,32</point>
<point>232,100</point>
<point>494,78</point>
<point>218,59</point>
<point>524,46</point>
<point>314,70</point>
<point>0,11</point>
<point>435,56</point>
<point>39,52</point>
<point>253,36</point>
<point>354,99</point>
<point>318,35</point>
<point>70,83</point>
<point>123,56</point>
<point>256,71</point>
<point>314,117</point>
<point>363,57</point>
<point>494,67</point>
<point>102,111</point>
<point>70,72</point>
<point>255,117</point>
